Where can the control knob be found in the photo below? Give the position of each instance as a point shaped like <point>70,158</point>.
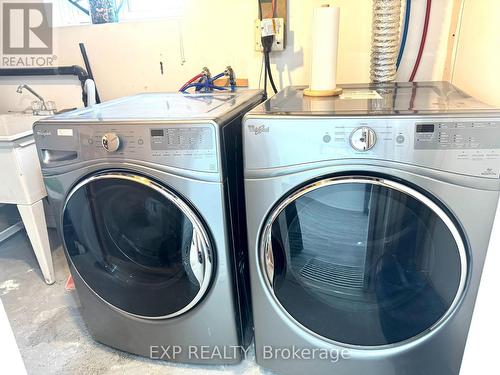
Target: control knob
<point>363,138</point>
<point>110,142</point>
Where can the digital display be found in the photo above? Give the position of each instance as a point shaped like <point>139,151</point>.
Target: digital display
<point>156,132</point>
<point>425,128</point>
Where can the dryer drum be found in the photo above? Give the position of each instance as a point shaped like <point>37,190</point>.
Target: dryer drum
<point>137,245</point>
<point>363,261</point>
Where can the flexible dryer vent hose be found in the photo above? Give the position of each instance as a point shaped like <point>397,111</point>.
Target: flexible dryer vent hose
<point>385,40</point>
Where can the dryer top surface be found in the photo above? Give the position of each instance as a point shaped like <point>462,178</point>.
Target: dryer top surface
<point>387,99</point>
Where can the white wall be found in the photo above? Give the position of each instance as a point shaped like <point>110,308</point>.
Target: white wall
<point>476,69</point>
<point>481,353</point>
<point>476,66</point>
<point>125,57</point>
<point>11,360</point>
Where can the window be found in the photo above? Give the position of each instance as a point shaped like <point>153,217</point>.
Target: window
<point>84,12</point>
<point>70,13</point>
<point>151,9</point>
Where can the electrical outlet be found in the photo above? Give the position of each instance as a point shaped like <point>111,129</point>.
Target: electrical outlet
<point>279,33</point>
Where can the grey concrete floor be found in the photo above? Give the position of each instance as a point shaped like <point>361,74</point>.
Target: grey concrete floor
<point>50,332</point>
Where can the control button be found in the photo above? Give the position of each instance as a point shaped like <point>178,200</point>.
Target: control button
<point>400,139</point>
<point>140,141</point>
<point>90,141</point>
<point>363,138</point>
<point>327,138</point>
<point>110,142</point>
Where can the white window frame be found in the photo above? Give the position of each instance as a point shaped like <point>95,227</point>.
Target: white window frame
<point>66,14</point>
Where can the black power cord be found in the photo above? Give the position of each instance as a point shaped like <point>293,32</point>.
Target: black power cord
<point>265,77</point>
<point>267,44</point>
<point>267,62</point>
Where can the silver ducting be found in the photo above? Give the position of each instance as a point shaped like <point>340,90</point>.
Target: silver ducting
<point>385,39</point>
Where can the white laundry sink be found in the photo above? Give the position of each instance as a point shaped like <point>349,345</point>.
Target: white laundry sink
<point>21,183</point>
<point>20,173</point>
<point>15,125</point>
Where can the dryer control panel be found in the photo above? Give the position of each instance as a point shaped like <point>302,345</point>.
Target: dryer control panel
<point>185,146</point>
<point>469,146</point>
<point>457,135</point>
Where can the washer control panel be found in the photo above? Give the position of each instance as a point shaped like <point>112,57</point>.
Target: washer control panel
<point>186,146</point>
<point>190,139</point>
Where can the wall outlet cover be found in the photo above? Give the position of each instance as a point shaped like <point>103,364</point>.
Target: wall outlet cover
<point>279,36</point>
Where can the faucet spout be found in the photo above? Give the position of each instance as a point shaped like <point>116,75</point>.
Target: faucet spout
<point>20,89</point>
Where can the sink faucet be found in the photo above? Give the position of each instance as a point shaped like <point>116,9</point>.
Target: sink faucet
<point>20,89</point>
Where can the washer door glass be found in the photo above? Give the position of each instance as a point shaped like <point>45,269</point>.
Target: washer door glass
<point>137,245</point>
<point>363,261</point>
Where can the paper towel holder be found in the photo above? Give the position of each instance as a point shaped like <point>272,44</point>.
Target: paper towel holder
<point>323,93</point>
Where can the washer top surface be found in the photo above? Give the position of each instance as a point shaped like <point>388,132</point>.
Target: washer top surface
<point>398,98</point>
<point>162,106</point>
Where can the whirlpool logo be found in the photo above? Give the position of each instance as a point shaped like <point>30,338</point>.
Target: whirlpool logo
<point>44,133</point>
<point>258,129</point>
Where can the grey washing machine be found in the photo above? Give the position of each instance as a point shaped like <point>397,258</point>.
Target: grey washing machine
<point>147,192</point>
<point>369,217</point>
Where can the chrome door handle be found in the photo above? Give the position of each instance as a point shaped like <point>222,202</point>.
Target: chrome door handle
<point>197,256</point>
<point>269,262</point>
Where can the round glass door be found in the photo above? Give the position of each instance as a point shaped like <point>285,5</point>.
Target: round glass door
<point>137,245</point>
<point>363,261</point>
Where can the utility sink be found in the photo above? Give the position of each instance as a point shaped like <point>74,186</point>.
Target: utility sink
<point>16,125</point>
<point>22,183</point>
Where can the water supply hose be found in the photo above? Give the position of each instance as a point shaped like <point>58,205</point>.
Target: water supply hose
<point>405,33</point>
<point>195,78</point>
<point>422,40</point>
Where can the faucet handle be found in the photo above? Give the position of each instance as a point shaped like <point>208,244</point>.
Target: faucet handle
<point>42,108</point>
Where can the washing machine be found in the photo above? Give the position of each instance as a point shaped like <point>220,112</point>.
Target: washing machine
<point>147,192</point>
<point>369,216</point>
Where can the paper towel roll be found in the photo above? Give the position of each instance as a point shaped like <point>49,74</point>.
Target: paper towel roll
<point>325,35</point>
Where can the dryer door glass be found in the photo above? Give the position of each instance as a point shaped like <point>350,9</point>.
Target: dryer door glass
<point>137,245</point>
<point>363,261</point>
